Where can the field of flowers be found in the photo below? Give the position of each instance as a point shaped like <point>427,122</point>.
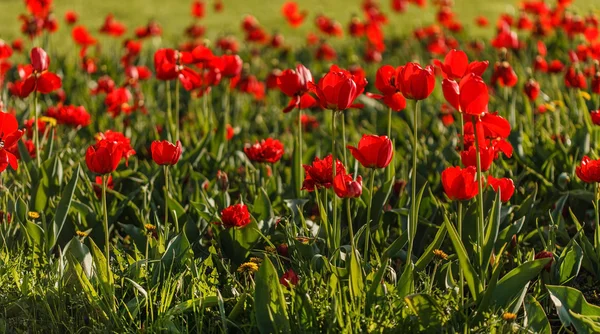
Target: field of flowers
<point>317,176</point>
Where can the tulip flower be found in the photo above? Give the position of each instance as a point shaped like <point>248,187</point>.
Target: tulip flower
<point>235,216</point>
<point>289,279</point>
<point>9,136</point>
<point>338,89</point>
<point>589,170</point>
<point>460,184</point>
<point>165,153</point>
<point>416,82</point>
<point>346,187</point>
<point>469,157</point>
<point>469,97</point>
<point>319,174</point>
<point>545,255</point>
<point>40,79</point>
<point>532,89</point>
<point>506,186</point>
<point>456,65</point>
<point>295,84</point>
<point>373,151</point>
<point>269,150</point>
<point>112,27</point>
<point>292,14</point>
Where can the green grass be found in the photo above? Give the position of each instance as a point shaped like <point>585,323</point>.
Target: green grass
<point>175,16</point>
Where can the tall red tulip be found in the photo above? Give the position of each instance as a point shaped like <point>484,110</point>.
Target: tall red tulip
<point>9,136</point>
<point>103,157</point>
<point>589,170</point>
<point>268,150</point>
<point>460,184</point>
<point>386,82</point>
<point>373,151</point>
<point>165,153</point>
<point>235,216</point>
<point>416,82</point>
<point>338,89</point>
<point>506,186</point>
<point>295,84</point>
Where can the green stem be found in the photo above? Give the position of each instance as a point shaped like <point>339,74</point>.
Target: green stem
<point>459,221</point>
<point>299,139</point>
<point>106,234</point>
<point>350,227</point>
<point>370,204</point>
<point>169,112</point>
<point>344,138</point>
<point>36,135</point>
<point>389,129</point>
<point>176,110</point>
<point>333,170</point>
<point>481,222</point>
<point>597,230</point>
<point>412,224</point>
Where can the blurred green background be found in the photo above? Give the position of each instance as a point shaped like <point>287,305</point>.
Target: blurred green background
<point>174,15</point>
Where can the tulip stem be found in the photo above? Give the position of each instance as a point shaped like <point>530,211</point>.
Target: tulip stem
<point>344,138</point>
<point>166,171</point>
<point>36,135</point>
<point>176,111</point>
<point>412,223</point>
<point>106,232</point>
<point>350,227</point>
<point>459,221</point>
<point>597,230</point>
<point>370,204</point>
<point>300,149</point>
<point>169,112</point>
<point>333,170</point>
<point>389,129</point>
<point>481,223</point>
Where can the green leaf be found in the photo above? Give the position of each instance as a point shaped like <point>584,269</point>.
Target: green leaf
<point>356,276</point>
<point>269,302</point>
<point>471,276</point>
<point>491,234</point>
<point>103,274</point>
<point>262,206</point>
<point>64,205</point>
<point>429,314</point>
<point>406,282</point>
<point>535,317</point>
<point>573,309</point>
<point>569,262</point>
<point>427,256</point>
<point>512,283</point>
<point>236,243</point>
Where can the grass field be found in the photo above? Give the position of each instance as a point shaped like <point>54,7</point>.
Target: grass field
<point>174,16</point>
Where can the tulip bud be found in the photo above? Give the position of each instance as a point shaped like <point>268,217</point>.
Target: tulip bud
<point>544,255</point>
<point>222,181</point>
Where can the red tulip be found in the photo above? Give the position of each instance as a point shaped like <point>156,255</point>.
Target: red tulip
<point>289,277</point>
<point>460,184</point>
<point>504,75</point>
<point>112,27</point>
<point>545,255</point>
<point>556,66</point>
<point>104,156</point>
<point>170,64</point>
<point>470,96</point>
<point>532,89</point>
<point>82,37</point>
<point>9,136</point>
<point>320,173</point>
<point>575,79</point>
<point>506,186</point>
<point>5,50</point>
<point>98,185</point>
<point>456,65</point>
<point>469,156</point>
<point>346,187</point>
<point>232,65</point>
<point>69,115</point>
<point>38,77</point>
<point>415,82</point>
<point>198,8</point>
<point>295,84</point>
<point>595,114</point>
<point>118,137</point>
<point>165,153</point>
<point>373,151</point>
<point>292,14</point>
<point>589,170</point>
<point>386,82</point>
<point>338,89</point>
<point>71,17</point>
<point>268,150</point>
<point>235,216</point>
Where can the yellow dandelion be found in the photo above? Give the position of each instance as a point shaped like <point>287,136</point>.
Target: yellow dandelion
<point>248,267</point>
<point>49,120</point>
<point>256,260</point>
<point>509,317</point>
<point>33,215</point>
<point>150,227</point>
<point>440,254</point>
<point>81,234</point>
<point>270,249</point>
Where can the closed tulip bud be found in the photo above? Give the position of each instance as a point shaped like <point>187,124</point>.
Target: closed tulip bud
<point>222,181</point>
<point>416,82</point>
<point>165,153</point>
<point>373,151</point>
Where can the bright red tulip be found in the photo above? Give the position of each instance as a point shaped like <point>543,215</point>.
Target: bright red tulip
<point>373,151</point>
<point>575,79</point>
<point>235,216</point>
<point>292,14</point>
<point>295,84</point>
<point>104,156</point>
<point>470,96</point>
<point>38,77</point>
<point>386,82</point>
<point>595,114</point>
<point>504,75</point>
<point>198,8</point>
<point>268,150</point>
<point>112,27</point>
<point>165,153</point>
<point>320,173</point>
<point>170,65</point>
<point>456,65</point>
<point>589,170</point>
<point>82,37</point>
<point>119,138</point>
<point>69,115</point>
<point>506,186</point>
<point>71,17</point>
<point>468,157</point>
<point>9,136</point>
<point>460,184</point>
<point>416,82</point>
<point>338,89</point>
<point>532,89</point>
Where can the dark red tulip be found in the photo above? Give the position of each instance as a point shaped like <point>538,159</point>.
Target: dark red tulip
<point>268,150</point>
<point>9,136</point>
<point>460,184</point>
<point>575,79</point>
<point>555,66</point>
<point>545,255</point>
<point>232,65</point>
<point>104,156</point>
<point>71,17</point>
<point>295,84</point>
<point>289,278</point>
<point>386,82</point>
<point>320,173</point>
<point>165,153</point>
<point>338,89</point>
<point>504,75</point>
<point>532,89</point>
<point>119,138</point>
<point>589,170</point>
<point>37,77</point>
<point>416,82</point>
<point>373,151</point>
<point>235,216</point>
<point>69,115</point>
<point>506,186</point>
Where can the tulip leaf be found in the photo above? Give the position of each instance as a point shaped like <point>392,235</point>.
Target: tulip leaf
<point>569,262</point>
<point>471,276</point>
<point>491,233</point>
<point>429,314</point>
<point>574,310</point>
<point>427,255</point>
<point>269,303</point>
<point>512,283</point>
<point>535,317</point>
<point>64,205</point>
